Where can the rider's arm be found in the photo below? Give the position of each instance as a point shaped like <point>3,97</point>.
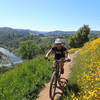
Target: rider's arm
<point>67,54</point>
<point>49,52</point>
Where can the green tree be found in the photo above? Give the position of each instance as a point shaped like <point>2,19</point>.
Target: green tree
<point>80,37</point>
<point>72,41</point>
<point>28,49</point>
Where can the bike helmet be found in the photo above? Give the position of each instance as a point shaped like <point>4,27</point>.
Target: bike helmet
<point>58,41</point>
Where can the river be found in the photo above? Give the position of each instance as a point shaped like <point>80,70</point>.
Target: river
<point>12,58</point>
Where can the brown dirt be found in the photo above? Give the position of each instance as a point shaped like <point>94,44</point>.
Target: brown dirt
<point>44,94</point>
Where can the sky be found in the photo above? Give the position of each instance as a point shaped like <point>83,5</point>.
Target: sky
<point>50,15</point>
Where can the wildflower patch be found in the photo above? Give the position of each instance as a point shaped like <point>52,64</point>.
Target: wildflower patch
<point>86,72</point>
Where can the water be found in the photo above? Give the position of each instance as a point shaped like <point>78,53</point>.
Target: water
<point>12,58</point>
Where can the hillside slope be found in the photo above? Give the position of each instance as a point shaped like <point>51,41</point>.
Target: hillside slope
<point>25,80</point>
<point>86,73</point>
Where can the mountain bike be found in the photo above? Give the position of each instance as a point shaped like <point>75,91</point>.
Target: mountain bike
<point>55,79</point>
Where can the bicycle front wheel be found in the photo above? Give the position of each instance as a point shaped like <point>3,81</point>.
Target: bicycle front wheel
<point>53,86</point>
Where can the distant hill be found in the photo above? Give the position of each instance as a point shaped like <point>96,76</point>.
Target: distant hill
<point>58,32</point>
<point>96,32</point>
<point>10,38</point>
<point>7,30</point>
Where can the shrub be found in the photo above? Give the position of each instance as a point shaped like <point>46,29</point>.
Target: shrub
<point>80,37</point>
<point>28,49</point>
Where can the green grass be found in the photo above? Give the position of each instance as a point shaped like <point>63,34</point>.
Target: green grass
<point>75,70</point>
<point>73,85</point>
<point>25,81</point>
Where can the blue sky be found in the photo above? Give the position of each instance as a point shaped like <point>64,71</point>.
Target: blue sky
<point>49,15</point>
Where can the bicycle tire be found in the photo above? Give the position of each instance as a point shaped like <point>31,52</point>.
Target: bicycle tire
<point>53,86</point>
<point>63,82</point>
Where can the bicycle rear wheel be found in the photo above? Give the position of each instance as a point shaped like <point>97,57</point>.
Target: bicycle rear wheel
<point>53,86</point>
<point>63,82</point>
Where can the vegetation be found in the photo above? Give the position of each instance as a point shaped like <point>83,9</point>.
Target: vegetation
<point>72,50</point>
<point>93,36</point>
<point>77,40</point>
<point>11,38</point>
<point>4,69</point>
<point>25,81</point>
<point>85,76</point>
<point>28,49</point>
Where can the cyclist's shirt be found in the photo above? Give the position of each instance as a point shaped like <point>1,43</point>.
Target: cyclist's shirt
<point>59,53</point>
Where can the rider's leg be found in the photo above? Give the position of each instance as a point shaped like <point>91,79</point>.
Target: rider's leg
<point>62,67</point>
<point>53,66</point>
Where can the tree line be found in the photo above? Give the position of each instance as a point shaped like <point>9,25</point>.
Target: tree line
<point>28,45</point>
<point>30,48</point>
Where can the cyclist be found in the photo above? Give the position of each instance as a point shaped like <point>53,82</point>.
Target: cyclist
<point>60,51</point>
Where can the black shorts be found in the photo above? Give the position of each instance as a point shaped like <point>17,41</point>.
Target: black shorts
<point>62,58</point>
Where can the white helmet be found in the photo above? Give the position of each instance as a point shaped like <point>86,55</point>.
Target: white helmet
<point>58,41</point>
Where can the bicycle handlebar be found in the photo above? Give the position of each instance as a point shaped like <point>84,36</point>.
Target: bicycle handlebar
<point>49,59</point>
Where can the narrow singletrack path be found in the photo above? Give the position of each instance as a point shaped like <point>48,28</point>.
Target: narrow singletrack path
<point>44,94</point>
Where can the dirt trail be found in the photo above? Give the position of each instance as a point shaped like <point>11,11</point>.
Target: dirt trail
<point>44,94</point>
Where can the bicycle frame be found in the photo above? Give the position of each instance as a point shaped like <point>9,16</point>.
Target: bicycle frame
<point>55,79</point>
<point>58,69</point>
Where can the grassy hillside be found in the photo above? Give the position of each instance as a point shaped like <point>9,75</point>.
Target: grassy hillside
<point>25,81</point>
<point>85,76</point>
